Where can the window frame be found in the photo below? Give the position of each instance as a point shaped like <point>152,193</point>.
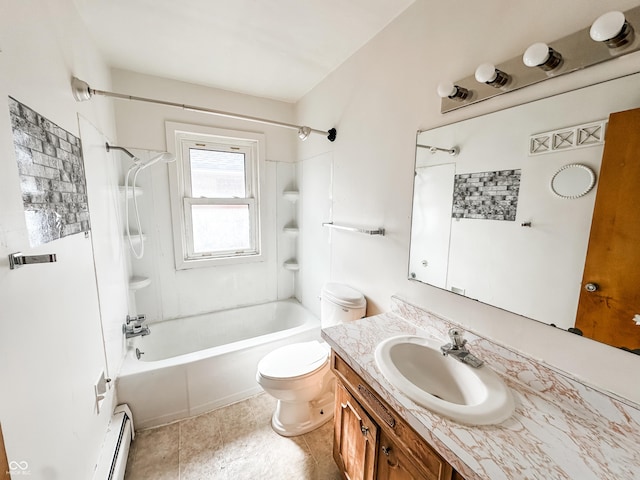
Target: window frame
<point>182,137</point>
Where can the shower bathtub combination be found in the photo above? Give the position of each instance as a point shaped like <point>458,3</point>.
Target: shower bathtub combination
<point>188,366</point>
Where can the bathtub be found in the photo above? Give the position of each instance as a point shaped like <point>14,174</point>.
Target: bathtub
<point>191,365</point>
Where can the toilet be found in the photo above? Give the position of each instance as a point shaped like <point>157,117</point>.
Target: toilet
<point>299,375</point>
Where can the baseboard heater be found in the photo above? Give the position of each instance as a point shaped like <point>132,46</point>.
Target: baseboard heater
<point>115,450</point>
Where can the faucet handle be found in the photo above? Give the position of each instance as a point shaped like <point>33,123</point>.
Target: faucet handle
<point>138,319</point>
<point>455,335</point>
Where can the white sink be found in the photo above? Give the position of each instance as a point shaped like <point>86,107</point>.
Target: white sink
<point>442,384</point>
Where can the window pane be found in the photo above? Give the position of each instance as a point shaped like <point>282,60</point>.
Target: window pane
<point>219,228</point>
<point>217,174</point>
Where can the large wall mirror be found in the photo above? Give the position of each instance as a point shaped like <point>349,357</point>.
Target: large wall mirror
<point>506,218</point>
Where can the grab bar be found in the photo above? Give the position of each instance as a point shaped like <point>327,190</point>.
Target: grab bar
<point>378,231</point>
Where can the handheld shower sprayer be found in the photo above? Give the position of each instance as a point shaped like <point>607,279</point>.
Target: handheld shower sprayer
<point>164,157</point>
<point>135,169</point>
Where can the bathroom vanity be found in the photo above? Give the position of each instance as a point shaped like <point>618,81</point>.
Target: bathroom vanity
<point>372,441</point>
<point>560,429</point>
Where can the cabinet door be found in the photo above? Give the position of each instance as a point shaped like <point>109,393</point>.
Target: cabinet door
<point>355,438</point>
<point>393,464</point>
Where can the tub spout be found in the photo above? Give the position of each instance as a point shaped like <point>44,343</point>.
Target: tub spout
<point>135,330</point>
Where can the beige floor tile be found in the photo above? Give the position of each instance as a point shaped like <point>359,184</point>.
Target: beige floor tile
<point>232,443</point>
<point>201,448</point>
<point>156,454</point>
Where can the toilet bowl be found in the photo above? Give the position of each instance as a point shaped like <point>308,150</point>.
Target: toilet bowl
<point>299,375</point>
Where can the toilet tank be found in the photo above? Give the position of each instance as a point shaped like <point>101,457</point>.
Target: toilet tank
<point>340,303</point>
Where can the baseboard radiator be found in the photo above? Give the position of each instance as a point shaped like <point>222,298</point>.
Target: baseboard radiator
<point>115,450</point>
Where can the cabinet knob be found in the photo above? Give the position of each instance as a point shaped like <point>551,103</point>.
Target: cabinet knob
<point>386,450</point>
<point>364,430</point>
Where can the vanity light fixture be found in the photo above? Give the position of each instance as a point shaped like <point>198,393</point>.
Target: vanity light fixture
<point>454,92</point>
<point>612,29</point>
<point>614,37</point>
<point>543,56</point>
<point>489,74</point>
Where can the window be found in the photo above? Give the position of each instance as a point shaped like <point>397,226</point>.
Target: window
<point>215,196</point>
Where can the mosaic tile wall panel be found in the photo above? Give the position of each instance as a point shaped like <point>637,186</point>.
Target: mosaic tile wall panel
<point>486,195</point>
<point>51,167</point>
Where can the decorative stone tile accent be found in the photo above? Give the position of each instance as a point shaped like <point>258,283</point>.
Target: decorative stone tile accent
<point>51,167</point>
<point>486,195</point>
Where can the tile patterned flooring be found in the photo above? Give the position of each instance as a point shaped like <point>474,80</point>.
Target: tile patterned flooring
<point>232,443</point>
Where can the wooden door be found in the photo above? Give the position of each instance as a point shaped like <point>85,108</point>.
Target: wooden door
<point>4,463</point>
<point>613,257</point>
<point>355,438</point>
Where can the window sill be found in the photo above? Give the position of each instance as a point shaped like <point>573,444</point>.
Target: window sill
<point>207,262</point>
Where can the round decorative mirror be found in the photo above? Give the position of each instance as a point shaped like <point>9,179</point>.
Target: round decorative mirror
<point>573,181</point>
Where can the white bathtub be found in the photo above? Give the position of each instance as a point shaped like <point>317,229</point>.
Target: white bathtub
<point>195,364</point>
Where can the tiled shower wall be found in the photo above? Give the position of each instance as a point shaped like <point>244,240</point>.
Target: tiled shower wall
<point>486,195</point>
<point>52,179</point>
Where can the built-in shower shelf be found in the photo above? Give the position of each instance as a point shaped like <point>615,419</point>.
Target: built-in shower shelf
<point>137,282</point>
<point>291,265</point>
<point>129,194</point>
<point>291,229</point>
<point>291,195</point>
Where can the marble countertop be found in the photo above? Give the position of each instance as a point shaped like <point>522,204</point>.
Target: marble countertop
<point>560,429</point>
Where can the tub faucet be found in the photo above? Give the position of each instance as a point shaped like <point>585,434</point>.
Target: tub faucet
<point>458,349</point>
<point>134,328</point>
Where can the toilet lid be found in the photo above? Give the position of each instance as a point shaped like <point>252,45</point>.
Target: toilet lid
<point>343,295</point>
<point>294,360</point>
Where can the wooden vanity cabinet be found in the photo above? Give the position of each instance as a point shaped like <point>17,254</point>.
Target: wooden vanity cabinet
<point>393,464</point>
<point>372,442</point>
<point>355,437</point>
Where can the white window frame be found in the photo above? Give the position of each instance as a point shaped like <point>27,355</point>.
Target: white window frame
<point>181,137</point>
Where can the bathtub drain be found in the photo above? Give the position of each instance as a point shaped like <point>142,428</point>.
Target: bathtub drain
<point>139,353</point>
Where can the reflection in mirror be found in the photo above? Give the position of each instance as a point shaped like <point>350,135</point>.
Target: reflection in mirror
<point>485,223</point>
<point>573,181</point>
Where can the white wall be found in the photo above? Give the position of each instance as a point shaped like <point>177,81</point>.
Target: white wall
<point>378,99</point>
<point>186,292</point>
<point>51,343</point>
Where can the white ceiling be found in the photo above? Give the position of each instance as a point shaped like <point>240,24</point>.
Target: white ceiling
<point>275,49</point>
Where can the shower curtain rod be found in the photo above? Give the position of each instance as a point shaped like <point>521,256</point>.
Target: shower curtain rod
<point>82,91</point>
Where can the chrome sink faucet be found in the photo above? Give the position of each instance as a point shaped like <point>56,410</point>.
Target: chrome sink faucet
<point>134,327</point>
<point>458,350</point>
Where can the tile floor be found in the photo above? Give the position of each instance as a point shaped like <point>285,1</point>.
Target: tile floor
<point>232,443</point>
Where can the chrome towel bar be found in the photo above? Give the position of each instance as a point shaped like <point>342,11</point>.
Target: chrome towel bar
<point>18,259</point>
<point>378,231</point>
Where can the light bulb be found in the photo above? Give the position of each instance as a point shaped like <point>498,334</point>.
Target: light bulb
<point>486,73</point>
<point>613,29</point>
<point>543,56</point>
<point>489,74</point>
<point>447,89</point>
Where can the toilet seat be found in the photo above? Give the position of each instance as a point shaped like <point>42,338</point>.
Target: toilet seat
<point>294,361</point>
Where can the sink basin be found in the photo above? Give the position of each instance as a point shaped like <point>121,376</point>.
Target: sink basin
<point>416,366</point>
